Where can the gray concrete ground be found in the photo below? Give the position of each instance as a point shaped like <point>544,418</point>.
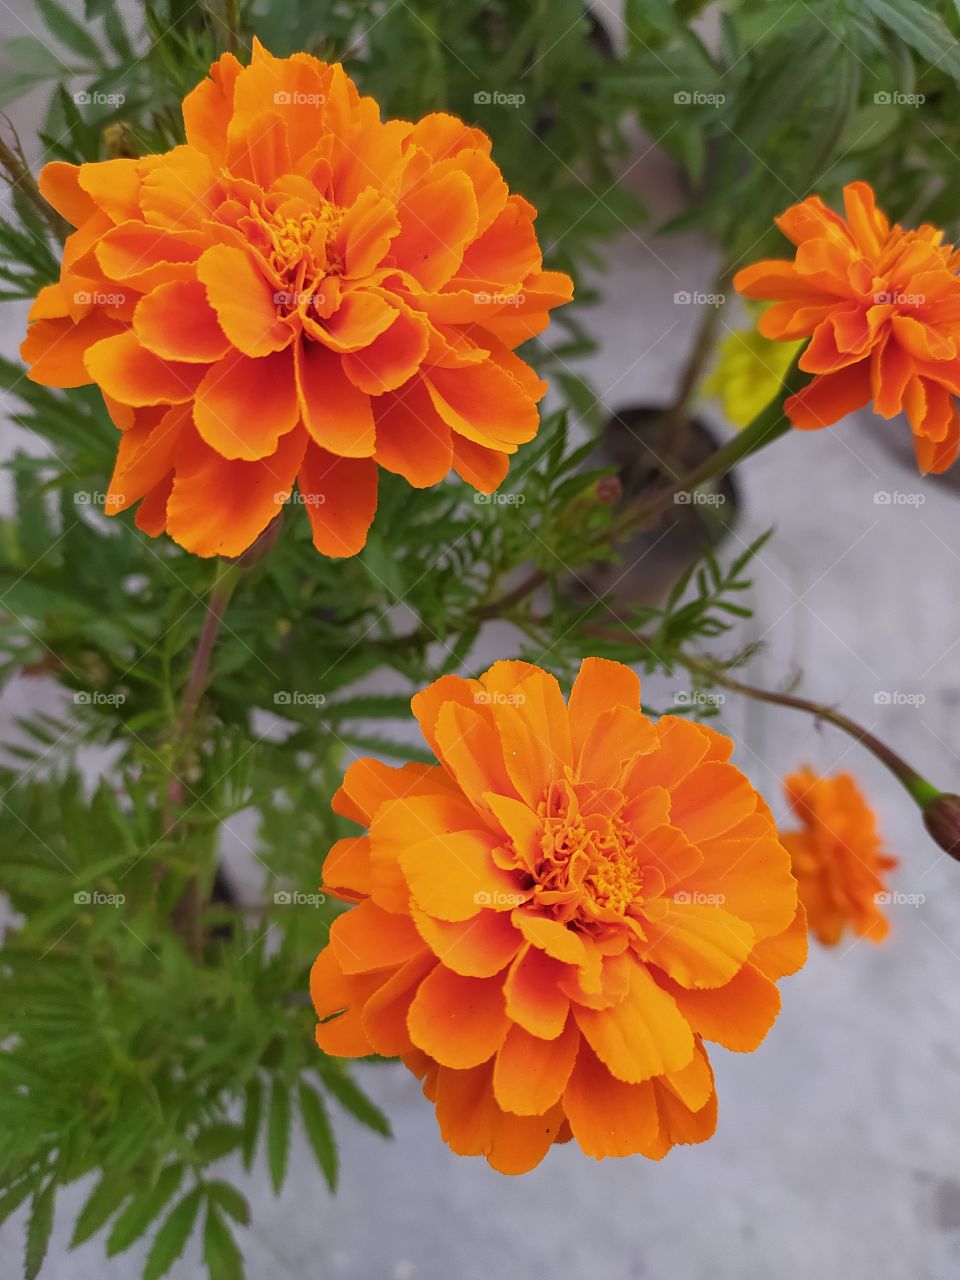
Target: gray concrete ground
<point>836,1154</point>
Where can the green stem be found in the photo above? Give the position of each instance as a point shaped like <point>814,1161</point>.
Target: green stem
<point>767,426</point>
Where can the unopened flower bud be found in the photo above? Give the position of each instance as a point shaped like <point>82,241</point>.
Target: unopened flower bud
<point>609,490</point>
<point>941,817</point>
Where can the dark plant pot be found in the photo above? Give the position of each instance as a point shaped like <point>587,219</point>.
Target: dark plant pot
<point>650,455</point>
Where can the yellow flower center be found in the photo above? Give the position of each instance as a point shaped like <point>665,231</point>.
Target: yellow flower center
<point>588,864</point>
<point>306,240</point>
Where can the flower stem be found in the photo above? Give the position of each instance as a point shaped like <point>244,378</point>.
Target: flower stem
<point>229,573</point>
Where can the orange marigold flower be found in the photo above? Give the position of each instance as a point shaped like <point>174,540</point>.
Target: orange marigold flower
<point>299,294</point>
<point>881,306</point>
<point>552,920</point>
<point>837,857</point>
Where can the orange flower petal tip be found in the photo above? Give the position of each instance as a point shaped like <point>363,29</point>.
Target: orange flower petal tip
<point>552,922</point>
<point>838,857</point>
<point>881,307</point>
<point>299,296</point>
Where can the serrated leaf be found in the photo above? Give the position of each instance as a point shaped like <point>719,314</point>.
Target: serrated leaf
<point>354,1100</point>
<point>230,1200</point>
<point>71,33</point>
<point>251,1121</point>
<point>316,1121</point>
<point>920,27</point>
<point>102,1202</point>
<point>278,1133</point>
<point>220,1252</point>
<point>217,1141</point>
<point>143,1209</point>
<point>39,1227</point>
<point>171,1240</point>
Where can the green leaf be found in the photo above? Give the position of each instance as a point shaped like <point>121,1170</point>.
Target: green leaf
<point>230,1200</point>
<point>71,33</point>
<point>143,1209</point>
<point>218,1141</point>
<point>102,1202</point>
<point>11,1200</point>
<point>220,1251</point>
<point>278,1133</point>
<point>316,1121</point>
<point>354,1100</point>
<point>38,1230</point>
<point>922,30</point>
<point>171,1240</point>
<point>251,1121</point>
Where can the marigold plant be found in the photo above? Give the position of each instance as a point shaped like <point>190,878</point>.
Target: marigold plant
<point>552,920</point>
<point>881,307</point>
<point>838,857</point>
<point>300,294</point>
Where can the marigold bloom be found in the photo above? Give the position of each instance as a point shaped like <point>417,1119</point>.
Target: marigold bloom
<point>299,294</point>
<point>881,307</point>
<point>552,920</point>
<point>837,857</point>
